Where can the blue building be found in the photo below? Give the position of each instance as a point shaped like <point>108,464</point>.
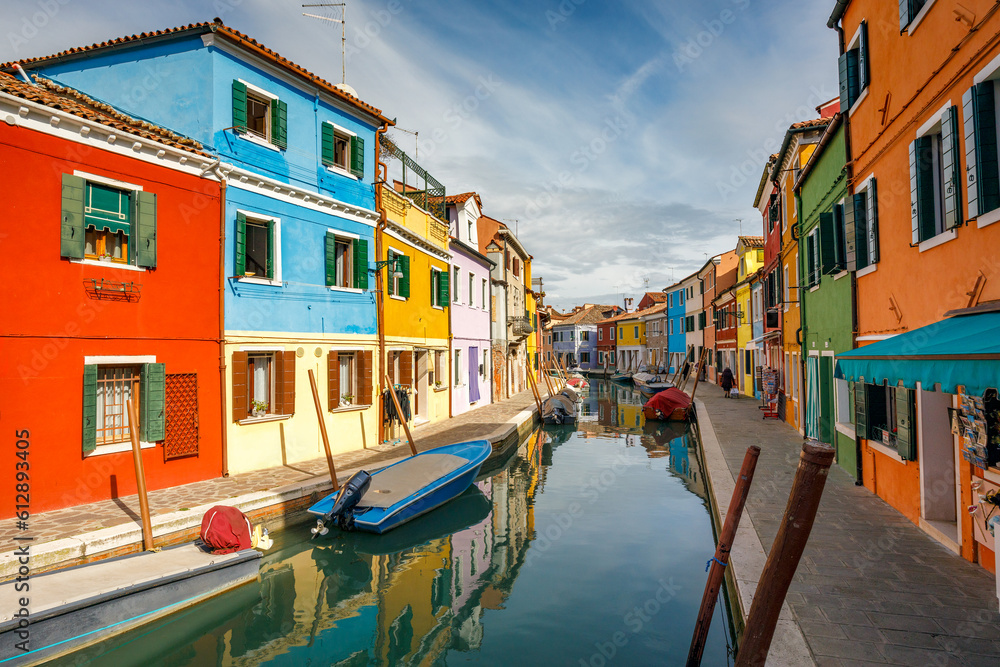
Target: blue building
<point>574,340</point>
<point>297,155</point>
<point>676,339</point>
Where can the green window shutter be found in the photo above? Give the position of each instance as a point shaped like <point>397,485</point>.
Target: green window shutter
<point>850,236</point>
<point>331,259</point>
<point>864,73</point>
<point>326,144</point>
<point>152,412</point>
<point>817,261</point>
<point>241,244</point>
<point>861,409</point>
<point>839,253</point>
<point>361,264</point>
<point>271,250</point>
<point>404,282</point>
<point>445,288</point>
<point>358,157</point>
<point>828,243</point>
<point>145,216</point>
<point>861,230</point>
<point>871,223</point>
<point>72,228</point>
<point>89,408</point>
<point>279,123</point>
<point>922,188</point>
<point>971,156</point>
<point>986,148</point>
<point>240,106</point>
<point>848,68</point>
<point>906,426</point>
<point>391,257</point>
<point>950,167</point>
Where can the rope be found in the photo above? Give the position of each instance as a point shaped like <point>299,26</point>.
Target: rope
<point>708,563</point>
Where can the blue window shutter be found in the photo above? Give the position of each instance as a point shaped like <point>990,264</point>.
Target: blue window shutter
<point>361,264</point>
<point>950,167</point>
<point>850,236</point>
<point>89,408</point>
<point>331,259</point>
<point>145,224</point>
<point>241,244</point>
<point>239,106</point>
<point>986,148</point>
<point>326,145</point>
<point>864,73</point>
<point>72,241</point>
<point>922,199</point>
<point>914,196</point>
<point>871,223</point>
<point>152,411</point>
<point>971,156</point>
<point>904,14</point>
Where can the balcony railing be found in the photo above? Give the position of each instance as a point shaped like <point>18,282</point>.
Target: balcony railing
<point>520,326</point>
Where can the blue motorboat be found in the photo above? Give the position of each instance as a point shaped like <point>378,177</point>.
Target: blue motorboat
<point>392,496</point>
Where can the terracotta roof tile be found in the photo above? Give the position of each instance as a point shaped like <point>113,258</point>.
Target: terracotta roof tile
<point>752,241</point>
<point>464,197</point>
<point>218,28</point>
<point>74,102</point>
<point>657,297</point>
<point>815,122</point>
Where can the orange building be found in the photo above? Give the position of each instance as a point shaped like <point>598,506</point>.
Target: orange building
<point>920,111</point>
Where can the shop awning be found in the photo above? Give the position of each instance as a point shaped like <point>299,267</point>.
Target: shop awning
<point>962,350</point>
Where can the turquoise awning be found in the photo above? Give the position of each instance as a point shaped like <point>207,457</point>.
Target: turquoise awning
<point>962,350</point>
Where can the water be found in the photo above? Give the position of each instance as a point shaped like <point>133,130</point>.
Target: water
<point>587,548</point>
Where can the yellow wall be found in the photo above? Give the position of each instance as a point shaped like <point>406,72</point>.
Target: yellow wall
<point>791,318</point>
<point>744,334</point>
<point>626,332</point>
<point>531,305</point>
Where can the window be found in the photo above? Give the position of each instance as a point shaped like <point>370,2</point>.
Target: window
<point>981,155</point>
<point>934,178</point>
<point>482,369</point>
<point>888,415</point>
<point>689,323</point>
<point>600,357</point>
<point>600,334</point>
<point>108,221</point>
<point>346,261</point>
<point>861,227</point>
<point>106,392</point>
<point>263,384</point>
<point>621,332</point>
<point>635,332</point>
<point>854,69</point>
<point>813,264</point>
<point>259,114</point>
<point>785,284</point>
<point>670,301</point>
<point>472,280</point>
<point>612,333</point>
<point>671,327</point>
<point>349,377</point>
<point>439,288</point>
<point>908,11</point>
<point>257,242</point>
<point>457,275</point>
<point>585,357</point>
<point>458,367</point>
<point>398,278</point>
<point>482,301</point>
<point>701,320</point>
<point>681,303</point>
<point>517,267</point>
<point>572,335</point>
<point>342,150</point>
<point>584,336</point>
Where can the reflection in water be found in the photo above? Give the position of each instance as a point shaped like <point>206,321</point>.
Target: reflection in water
<point>431,590</point>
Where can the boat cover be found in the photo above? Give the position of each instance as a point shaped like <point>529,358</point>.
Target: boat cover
<point>669,400</point>
<point>225,530</point>
<point>393,484</point>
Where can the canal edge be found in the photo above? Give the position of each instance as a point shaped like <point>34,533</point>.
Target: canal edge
<point>747,557</point>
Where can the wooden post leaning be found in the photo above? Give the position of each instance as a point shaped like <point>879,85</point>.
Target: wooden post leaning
<point>140,478</point>
<point>697,373</point>
<point>399,411</point>
<point>548,382</point>
<point>322,431</point>
<point>535,393</point>
<point>782,561</point>
<point>721,559</point>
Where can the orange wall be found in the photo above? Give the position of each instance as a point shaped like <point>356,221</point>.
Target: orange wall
<point>894,482</point>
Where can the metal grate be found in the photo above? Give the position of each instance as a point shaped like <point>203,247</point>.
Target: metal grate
<point>182,416</point>
<point>115,385</point>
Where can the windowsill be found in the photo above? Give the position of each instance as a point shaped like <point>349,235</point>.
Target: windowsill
<point>253,280</point>
<point>987,219</point>
<point>261,420</point>
<point>887,451</point>
<point>442,388</point>
<point>397,298</point>
<point>992,475</point>
<point>350,408</point>
<point>871,268</point>
<point>847,429</point>
<point>107,265</point>
<point>441,308</point>
<point>117,448</point>
<point>349,290</point>
<point>814,287</point>
<point>840,274</point>
<point>935,241</point>
<point>254,139</point>
<point>912,27</point>
<point>857,102</point>
<point>340,171</point>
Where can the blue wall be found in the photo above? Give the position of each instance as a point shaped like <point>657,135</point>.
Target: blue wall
<point>676,342</point>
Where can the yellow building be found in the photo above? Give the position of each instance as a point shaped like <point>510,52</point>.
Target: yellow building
<point>750,258</point>
<point>532,347</point>
<point>416,299</point>
<point>631,342</point>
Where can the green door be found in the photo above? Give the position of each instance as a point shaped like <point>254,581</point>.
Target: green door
<point>826,406</point>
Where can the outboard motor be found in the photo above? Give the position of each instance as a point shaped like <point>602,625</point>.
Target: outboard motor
<point>343,507</point>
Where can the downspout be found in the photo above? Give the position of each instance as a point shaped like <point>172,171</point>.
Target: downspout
<point>800,333</point>
<point>381,174</point>
<point>222,322</point>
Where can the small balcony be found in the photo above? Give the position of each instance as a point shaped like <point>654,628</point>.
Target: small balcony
<point>520,326</point>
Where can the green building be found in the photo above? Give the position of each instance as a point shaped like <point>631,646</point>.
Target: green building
<point>826,294</point>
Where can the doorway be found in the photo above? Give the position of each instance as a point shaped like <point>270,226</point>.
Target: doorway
<point>421,409</point>
<point>937,454</point>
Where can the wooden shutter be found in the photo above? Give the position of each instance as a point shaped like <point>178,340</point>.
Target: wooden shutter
<point>446,289</point>
<point>240,106</point>
<point>406,367</point>
<point>914,196</point>
<point>333,380</point>
<point>392,367</point>
<point>871,222</point>
<point>279,123</point>
<point>904,14</point>
<point>404,282</point>
<point>241,389</point>
<point>986,148</point>
<point>389,282</point>
<point>950,167</point>
<point>861,230</point>
<point>326,144</point>
<point>864,74</point>
<point>271,249</point>
<point>845,95</point>
<point>828,243</point>
<point>435,289</point>
<point>906,423</point>
<point>839,252</point>
<point>89,408</point>
<point>72,242</point>
<point>850,236</point>
<point>241,245</point>
<point>360,264</point>
<point>153,409</point>
<point>365,375</point>
<point>358,157</point>
<point>331,259</point>
<point>971,155</point>
<point>861,410</point>
<point>284,386</point>
<point>145,243</point>
<point>923,212</point>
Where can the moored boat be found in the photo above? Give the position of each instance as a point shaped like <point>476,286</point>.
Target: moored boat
<point>668,405</point>
<point>650,383</point>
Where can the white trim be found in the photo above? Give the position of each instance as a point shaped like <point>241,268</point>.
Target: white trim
<point>108,265</point>
<point>858,101</point>
<point>877,337</point>
<point>260,141</point>
<point>915,21</point>
<point>348,290</point>
<point>121,359</point>
<point>276,252</point>
<point>261,348</point>
<point>934,120</point>
<point>428,249</point>
<point>935,241</point>
<point>348,235</point>
<point>847,429</point>
<point>882,449</point>
<point>397,297</point>
<point>839,275</point>
<point>104,180</point>
<point>814,287</point>
<point>260,420</point>
<point>342,130</point>
<point>340,171</point>
<point>987,219</point>
<point>871,268</point>
<point>256,280</point>
<point>258,90</point>
<point>350,408</point>
<point>984,74</point>
<point>117,448</point>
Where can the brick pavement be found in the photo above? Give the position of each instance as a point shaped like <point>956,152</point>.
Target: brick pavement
<point>72,521</point>
<point>872,588</point>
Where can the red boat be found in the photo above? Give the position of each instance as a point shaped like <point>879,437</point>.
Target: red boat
<point>668,405</point>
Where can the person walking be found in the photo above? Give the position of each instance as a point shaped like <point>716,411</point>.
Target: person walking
<point>726,382</point>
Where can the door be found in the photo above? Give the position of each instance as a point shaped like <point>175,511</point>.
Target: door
<point>826,399</point>
<point>422,407</point>
<point>473,374</point>
<point>812,397</point>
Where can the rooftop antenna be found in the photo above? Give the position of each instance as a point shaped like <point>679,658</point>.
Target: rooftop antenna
<point>343,32</point>
<point>739,220</point>
<point>515,221</point>
<point>416,140</point>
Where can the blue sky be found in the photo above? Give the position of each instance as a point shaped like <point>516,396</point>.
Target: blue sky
<point>624,137</point>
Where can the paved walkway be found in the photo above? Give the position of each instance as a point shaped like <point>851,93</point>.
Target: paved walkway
<point>72,521</point>
<point>871,588</point>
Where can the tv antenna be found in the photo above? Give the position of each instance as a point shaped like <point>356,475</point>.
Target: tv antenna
<point>739,220</point>
<point>416,140</point>
<point>343,31</point>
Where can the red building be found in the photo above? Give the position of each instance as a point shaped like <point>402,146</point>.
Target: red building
<point>606,343</point>
<point>111,233</point>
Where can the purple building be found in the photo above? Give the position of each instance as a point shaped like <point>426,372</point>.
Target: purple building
<point>574,339</point>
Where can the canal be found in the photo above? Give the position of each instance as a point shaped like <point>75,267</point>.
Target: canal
<point>588,547</point>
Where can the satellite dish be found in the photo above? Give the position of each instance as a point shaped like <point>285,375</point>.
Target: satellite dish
<point>347,89</point>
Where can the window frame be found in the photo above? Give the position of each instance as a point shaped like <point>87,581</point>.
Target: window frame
<point>934,127</point>
<point>990,72</point>
<point>456,274</point>
<point>275,225</point>
<point>350,239</point>
<point>394,280</point>
<point>268,98</point>
<point>457,368</point>
<point>472,283</point>
<point>134,191</point>
<point>121,360</point>
<point>436,289</point>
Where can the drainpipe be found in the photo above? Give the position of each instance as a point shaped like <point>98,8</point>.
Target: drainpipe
<point>222,321</point>
<point>381,175</point>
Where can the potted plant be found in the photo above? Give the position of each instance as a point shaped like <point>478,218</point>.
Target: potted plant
<point>437,384</point>
<point>346,399</point>
<point>259,408</point>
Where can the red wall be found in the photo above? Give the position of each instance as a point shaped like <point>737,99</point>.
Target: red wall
<point>50,323</point>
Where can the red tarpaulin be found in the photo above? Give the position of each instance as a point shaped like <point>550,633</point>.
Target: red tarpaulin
<point>664,404</point>
<point>225,530</point>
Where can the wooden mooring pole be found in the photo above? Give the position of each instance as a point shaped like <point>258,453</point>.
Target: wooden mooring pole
<point>721,559</point>
<point>402,419</point>
<point>535,393</point>
<point>322,431</point>
<point>782,561</point>
<point>140,478</point>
